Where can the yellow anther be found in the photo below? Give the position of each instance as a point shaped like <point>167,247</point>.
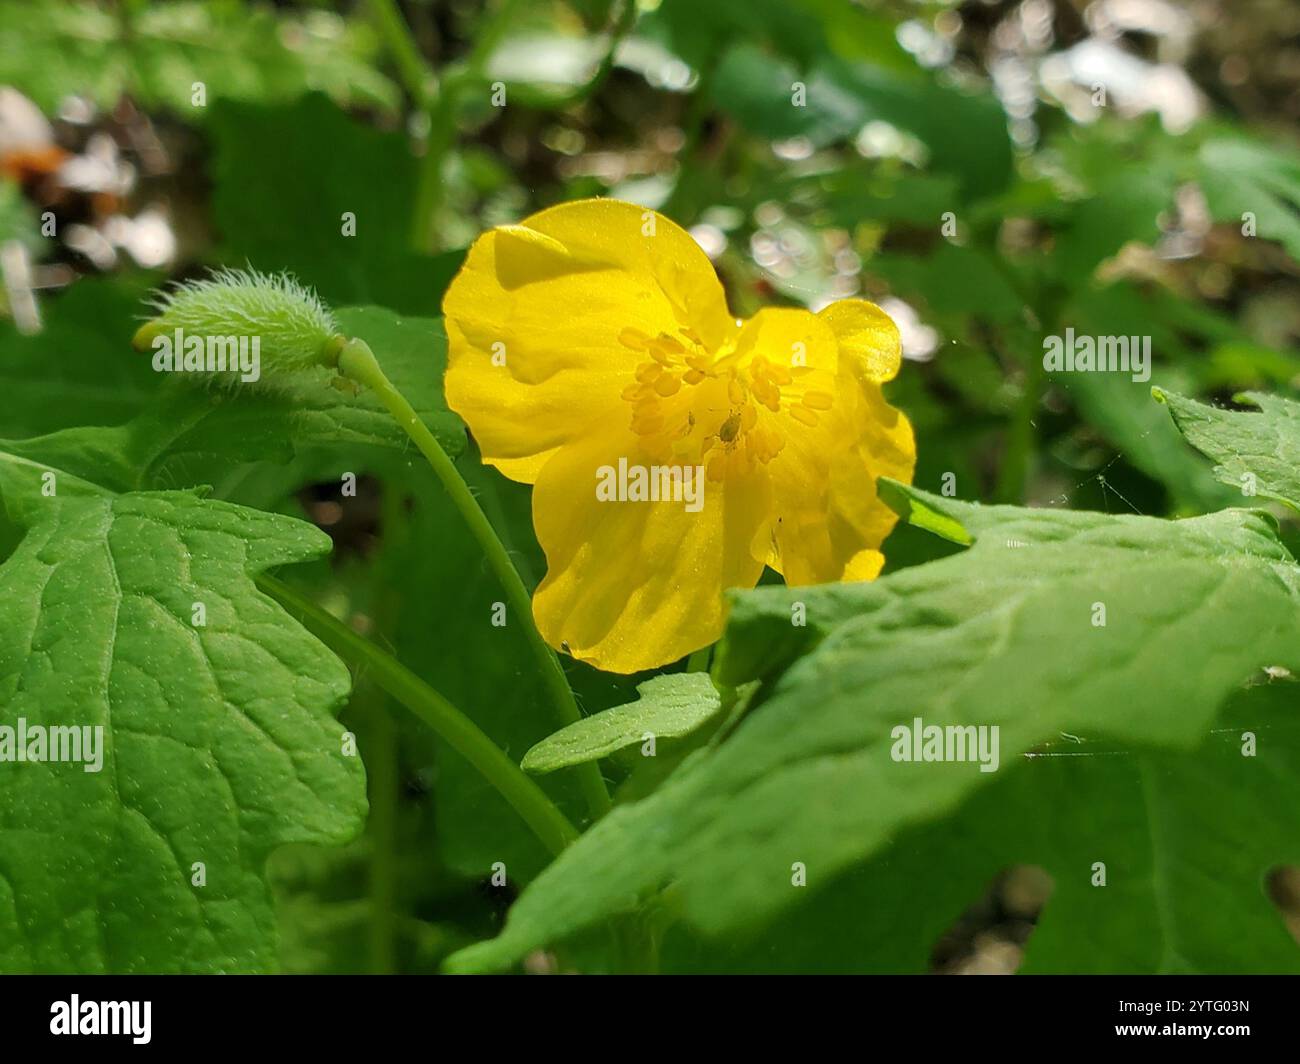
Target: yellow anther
<point>668,384</point>
<point>767,444</point>
<point>739,442</point>
<point>765,391</point>
<point>633,338</point>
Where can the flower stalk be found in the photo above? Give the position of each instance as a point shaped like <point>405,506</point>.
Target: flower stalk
<point>358,363</point>
<point>460,733</point>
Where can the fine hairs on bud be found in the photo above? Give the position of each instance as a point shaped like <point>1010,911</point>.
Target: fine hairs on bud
<point>226,312</point>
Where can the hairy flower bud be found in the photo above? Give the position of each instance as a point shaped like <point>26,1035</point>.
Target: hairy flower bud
<point>240,325</point>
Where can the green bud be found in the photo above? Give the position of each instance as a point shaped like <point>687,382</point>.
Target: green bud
<point>230,311</point>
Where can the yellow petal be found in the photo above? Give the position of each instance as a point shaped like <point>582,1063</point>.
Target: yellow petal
<point>792,341</point>
<point>635,585</point>
<point>867,335</point>
<point>828,523</point>
<point>535,316</point>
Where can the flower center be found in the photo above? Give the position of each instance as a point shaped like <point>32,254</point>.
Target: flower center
<point>727,412</point>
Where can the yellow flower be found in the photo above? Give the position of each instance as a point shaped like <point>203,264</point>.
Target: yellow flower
<point>597,331</point>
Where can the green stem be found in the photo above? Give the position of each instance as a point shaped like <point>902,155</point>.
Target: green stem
<point>441,118</point>
<point>1013,478</point>
<point>357,362</point>
<point>414,72</point>
<point>620,26</point>
<point>699,660</point>
<point>692,150</point>
<point>383,772</point>
<point>440,113</point>
<point>459,732</point>
<point>435,102</point>
<point>382,775</point>
<point>1022,435</point>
